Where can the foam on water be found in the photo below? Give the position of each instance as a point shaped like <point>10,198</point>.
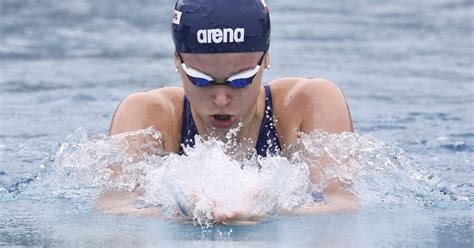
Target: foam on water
<point>208,180</point>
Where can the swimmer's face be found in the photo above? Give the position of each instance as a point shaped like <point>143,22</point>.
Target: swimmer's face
<point>222,106</point>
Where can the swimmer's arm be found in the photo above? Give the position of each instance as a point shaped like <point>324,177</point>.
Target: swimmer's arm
<point>328,111</point>
<point>133,114</point>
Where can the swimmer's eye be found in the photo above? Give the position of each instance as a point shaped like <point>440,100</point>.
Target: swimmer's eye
<point>240,80</point>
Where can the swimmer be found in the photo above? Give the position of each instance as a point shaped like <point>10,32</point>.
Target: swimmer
<point>221,53</point>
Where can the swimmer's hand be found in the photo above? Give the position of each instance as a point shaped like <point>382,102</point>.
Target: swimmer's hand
<point>238,218</point>
<point>185,213</point>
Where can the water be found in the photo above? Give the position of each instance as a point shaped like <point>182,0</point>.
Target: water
<point>405,67</point>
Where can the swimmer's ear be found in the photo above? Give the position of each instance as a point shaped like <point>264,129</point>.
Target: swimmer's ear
<point>177,64</point>
<point>266,60</point>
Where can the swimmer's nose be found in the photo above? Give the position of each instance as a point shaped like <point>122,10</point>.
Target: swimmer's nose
<point>221,96</point>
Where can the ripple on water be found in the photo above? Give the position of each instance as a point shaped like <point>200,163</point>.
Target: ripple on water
<point>462,135</point>
<point>22,87</point>
<point>458,147</point>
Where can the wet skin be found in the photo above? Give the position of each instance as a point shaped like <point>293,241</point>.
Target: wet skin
<point>298,104</point>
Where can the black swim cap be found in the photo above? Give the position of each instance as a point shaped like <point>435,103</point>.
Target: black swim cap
<point>221,26</point>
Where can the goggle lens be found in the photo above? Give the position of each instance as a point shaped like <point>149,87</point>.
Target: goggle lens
<point>241,82</point>
<point>199,81</point>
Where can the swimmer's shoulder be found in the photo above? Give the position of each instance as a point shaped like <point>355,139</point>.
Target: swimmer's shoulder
<point>160,108</point>
<point>297,89</point>
<point>310,103</point>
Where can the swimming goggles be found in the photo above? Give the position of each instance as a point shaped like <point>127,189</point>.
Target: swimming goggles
<point>239,80</point>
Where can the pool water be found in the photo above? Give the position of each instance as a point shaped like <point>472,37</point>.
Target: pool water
<point>405,67</point>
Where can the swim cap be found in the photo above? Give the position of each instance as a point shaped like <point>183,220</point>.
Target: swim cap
<point>221,26</point>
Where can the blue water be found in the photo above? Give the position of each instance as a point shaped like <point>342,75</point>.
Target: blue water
<point>405,67</point>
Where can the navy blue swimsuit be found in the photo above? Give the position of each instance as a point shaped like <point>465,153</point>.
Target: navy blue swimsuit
<point>267,141</point>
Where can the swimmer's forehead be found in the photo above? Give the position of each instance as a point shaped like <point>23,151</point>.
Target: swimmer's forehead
<point>237,61</point>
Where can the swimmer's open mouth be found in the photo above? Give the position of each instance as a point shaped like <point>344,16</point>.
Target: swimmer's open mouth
<point>222,117</point>
<point>222,121</point>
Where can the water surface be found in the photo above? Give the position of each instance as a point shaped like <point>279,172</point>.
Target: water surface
<point>406,69</point>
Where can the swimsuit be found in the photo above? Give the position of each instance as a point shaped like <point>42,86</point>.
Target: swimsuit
<point>267,141</point>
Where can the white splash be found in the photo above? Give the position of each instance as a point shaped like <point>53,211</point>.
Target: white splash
<point>208,180</point>
<point>380,173</point>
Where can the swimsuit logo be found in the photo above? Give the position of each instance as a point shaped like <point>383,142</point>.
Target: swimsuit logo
<point>220,35</point>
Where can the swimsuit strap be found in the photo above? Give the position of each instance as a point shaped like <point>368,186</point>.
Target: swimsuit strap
<point>267,137</point>
<point>268,141</point>
<point>188,129</point>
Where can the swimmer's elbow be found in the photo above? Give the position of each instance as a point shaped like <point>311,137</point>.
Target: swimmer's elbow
<point>338,194</point>
<point>344,202</point>
<point>123,203</point>
<point>337,198</point>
